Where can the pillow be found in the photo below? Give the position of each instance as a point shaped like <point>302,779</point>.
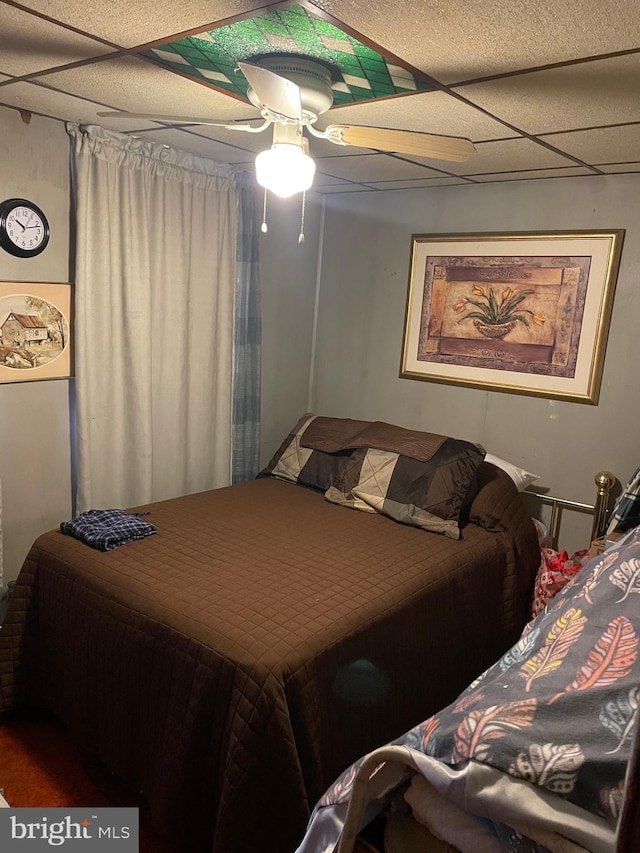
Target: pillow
<point>302,465</point>
<point>520,477</point>
<point>334,434</point>
<point>426,494</point>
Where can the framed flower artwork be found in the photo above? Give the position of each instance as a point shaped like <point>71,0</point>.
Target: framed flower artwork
<point>526,313</point>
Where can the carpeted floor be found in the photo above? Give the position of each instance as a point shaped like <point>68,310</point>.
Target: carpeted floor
<point>40,766</point>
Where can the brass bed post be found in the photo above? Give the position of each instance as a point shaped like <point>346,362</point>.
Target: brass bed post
<point>604,481</point>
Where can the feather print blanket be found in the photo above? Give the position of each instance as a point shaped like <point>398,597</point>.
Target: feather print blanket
<point>536,749</point>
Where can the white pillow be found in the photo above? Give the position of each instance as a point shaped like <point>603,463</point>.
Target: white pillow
<point>520,477</point>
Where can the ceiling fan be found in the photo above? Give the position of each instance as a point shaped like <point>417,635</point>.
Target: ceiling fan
<point>291,92</point>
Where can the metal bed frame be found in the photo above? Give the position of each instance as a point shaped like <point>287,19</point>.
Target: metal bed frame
<point>604,481</point>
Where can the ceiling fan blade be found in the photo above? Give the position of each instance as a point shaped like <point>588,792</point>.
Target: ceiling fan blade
<point>172,119</point>
<point>278,94</point>
<point>454,148</point>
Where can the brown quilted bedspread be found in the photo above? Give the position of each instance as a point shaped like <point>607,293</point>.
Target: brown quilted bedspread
<point>233,664</point>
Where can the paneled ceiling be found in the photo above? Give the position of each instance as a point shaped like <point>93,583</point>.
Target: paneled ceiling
<point>543,90</point>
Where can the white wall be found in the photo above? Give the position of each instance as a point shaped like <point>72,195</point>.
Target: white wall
<point>35,467</point>
<point>288,280</point>
<point>365,268</point>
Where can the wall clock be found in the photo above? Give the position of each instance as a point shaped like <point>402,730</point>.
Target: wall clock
<point>24,230</point>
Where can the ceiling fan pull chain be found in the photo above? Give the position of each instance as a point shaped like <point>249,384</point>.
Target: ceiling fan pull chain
<point>263,227</point>
<point>301,237</point>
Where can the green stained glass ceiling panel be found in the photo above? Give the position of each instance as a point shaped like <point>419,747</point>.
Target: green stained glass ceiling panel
<point>358,72</point>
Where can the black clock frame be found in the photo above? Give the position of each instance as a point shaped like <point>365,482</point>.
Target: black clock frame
<point>6,243</point>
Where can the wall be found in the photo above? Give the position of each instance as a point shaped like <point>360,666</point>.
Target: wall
<point>288,280</point>
<point>365,268</point>
<point>35,468</point>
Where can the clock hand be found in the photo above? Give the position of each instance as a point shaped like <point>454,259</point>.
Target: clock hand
<point>20,224</point>
<point>28,227</point>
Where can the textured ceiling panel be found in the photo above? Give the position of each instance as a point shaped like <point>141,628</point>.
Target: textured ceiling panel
<point>371,167</point>
<point>29,44</point>
<point>584,95</point>
<point>198,145</point>
<point>455,40</point>
<point>618,144</point>
<point>322,180</point>
<point>621,167</point>
<point>503,156</point>
<point>127,83</point>
<point>532,175</point>
<point>587,107</point>
<point>341,188</point>
<point>49,102</point>
<point>419,184</point>
<point>428,112</point>
<point>129,24</point>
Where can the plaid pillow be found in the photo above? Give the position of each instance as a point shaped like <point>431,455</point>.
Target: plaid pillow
<point>626,513</point>
<point>303,465</point>
<point>427,494</point>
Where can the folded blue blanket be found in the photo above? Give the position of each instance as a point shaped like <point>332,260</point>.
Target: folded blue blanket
<point>106,529</point>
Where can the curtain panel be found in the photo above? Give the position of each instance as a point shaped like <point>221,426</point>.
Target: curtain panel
<point>155,319</point>
<point>247,340</point>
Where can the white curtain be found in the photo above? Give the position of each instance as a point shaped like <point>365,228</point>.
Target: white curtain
<point>154,320</point>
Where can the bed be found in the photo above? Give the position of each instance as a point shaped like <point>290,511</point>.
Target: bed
<point>229,666</point>
<point>539,753</point>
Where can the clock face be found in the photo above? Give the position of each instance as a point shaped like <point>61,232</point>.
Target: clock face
<point>24,230</point>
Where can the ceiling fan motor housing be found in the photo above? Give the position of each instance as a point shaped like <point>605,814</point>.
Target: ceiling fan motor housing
<point>313,79</point>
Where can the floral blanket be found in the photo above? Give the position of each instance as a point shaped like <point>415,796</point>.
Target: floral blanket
<point>554,718</point>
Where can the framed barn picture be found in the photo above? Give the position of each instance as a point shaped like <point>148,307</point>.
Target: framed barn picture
<point>526,313</point>
<point>35,331</point>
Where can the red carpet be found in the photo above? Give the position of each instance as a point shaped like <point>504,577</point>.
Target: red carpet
<point>40,766</point>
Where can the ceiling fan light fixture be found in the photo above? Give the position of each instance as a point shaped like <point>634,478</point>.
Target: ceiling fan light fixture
<point>285,169</point>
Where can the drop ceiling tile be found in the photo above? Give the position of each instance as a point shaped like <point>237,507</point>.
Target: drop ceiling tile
<point>585,95</point>
<point>249,143</point>
<point>322,180</point>
<point>601,145</point>
<point>532,175</point>
<point>29,43</point>
<point>456,40</point>
<point>613,168</point>
<point>503,156</point>
<point>342,188</point>
<point>427,112</point>
<point>128,83</point>
<point>55,104</point>
<point>130,24</point>
<point>418,184</point>
<point>359,72</point>
<point>373,167</point>
<point>199,145</point>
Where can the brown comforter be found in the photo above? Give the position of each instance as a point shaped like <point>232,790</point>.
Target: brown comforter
<point>233,664</point>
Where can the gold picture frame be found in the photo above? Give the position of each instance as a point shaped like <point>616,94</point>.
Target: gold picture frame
<point>35,331</point>
<point>526,313</point>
